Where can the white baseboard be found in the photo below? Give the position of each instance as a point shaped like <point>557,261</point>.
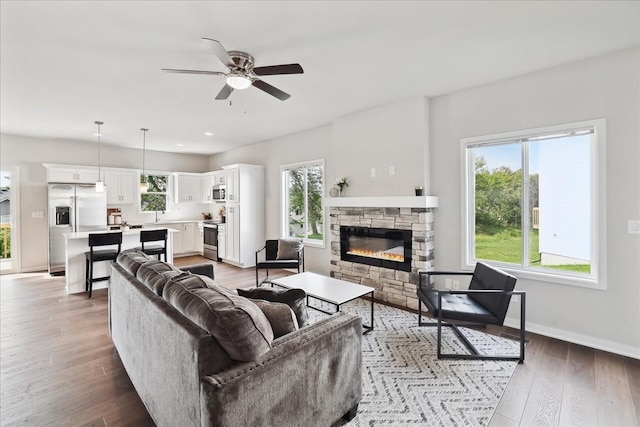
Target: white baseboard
<point>42,269</point>
<point>593,342</point>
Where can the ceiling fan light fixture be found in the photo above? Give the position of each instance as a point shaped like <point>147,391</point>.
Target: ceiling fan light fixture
<point>238,81</point>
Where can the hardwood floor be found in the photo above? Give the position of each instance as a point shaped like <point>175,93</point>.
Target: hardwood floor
<point>58,366</point>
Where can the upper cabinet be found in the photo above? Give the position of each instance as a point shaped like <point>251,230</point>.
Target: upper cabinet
<point>207,185</point>
<point>121,187</point>
<point>188,188</point>
<point>233,185</point>
<point>63,173</point>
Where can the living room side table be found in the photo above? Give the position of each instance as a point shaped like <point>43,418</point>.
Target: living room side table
<point>327,289</point>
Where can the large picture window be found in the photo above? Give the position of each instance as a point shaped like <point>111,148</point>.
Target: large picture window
<point>155,198</point>
<point>531,201</point>
<point>302,210</point>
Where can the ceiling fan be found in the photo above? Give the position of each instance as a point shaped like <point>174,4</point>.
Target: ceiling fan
<point>242,72</point>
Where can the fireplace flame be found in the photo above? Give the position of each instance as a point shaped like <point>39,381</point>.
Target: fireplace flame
<point>379,254</point>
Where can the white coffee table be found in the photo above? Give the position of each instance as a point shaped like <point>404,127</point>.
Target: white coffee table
<point>327,289</point>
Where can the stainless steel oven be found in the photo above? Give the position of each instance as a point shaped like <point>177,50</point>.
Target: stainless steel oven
<point>210,230</point>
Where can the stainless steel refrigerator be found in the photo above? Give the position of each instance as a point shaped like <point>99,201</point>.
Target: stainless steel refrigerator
<point>73,208</point>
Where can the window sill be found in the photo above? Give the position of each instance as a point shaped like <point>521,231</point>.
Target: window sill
<point>549,277</point>
<point>313,244</point>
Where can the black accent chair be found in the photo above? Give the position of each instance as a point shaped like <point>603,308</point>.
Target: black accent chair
<point>147,236</point>
<point>97,240</point>
<point>485,303</point>
<point>271,260</point>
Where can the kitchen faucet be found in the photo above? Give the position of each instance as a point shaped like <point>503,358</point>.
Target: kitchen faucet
<point>157,215</point>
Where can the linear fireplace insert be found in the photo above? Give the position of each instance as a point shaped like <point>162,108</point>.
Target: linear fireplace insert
<point>381,247</point>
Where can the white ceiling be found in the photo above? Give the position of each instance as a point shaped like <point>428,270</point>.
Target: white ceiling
<point>66,64</point>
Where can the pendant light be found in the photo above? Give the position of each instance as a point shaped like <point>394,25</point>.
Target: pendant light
<point>99,182</point>
<point>144,187</point>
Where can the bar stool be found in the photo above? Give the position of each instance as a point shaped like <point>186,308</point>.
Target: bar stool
<point>154,236</point>
<point>100,239</point>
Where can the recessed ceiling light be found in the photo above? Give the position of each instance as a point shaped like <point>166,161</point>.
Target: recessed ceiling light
<point>97,134</point>
<point>180,145</point>
<point>208,134</point>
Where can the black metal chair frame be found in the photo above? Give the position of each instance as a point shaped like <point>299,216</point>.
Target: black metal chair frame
<point>100,239</point>
<point>475,354</point>
<point>271,249</point>
<point>147,236</point>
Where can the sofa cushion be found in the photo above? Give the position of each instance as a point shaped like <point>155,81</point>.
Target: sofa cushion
<point>288,248</point>
<point>280,316</point>
<point>154,274</point>
<point>294,298</point>
<point>131,260</point>
<point>238,325</point>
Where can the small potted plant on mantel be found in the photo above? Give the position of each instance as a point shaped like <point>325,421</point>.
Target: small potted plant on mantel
<point>341,183</point>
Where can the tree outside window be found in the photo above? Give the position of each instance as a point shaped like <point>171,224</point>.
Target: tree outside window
<point>530,201</point>
<point>155,198</point>
<point>303,214</point>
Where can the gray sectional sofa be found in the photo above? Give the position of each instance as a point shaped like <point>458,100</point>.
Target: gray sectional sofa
<point>200,355</point>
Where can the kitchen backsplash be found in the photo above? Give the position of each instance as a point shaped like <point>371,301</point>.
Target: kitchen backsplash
<point>182,211</point>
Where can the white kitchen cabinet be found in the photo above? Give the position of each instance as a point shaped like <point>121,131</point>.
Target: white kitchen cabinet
<point>121,187</point>
<point>222,241</point>
<point>245,214</point>
<point>187,240</point>
<point>199,238</point>
<point>188,188</point>
<point>233,185</point>
<point>233,231</point>
<point>208,181</point>
<point>220,178</point>
<point>71,174</point>
<point>189,236</point>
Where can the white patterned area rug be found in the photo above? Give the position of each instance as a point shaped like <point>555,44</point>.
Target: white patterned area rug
<point>405,383</point>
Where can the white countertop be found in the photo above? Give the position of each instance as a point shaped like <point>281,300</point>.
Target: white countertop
<point>135,231</point>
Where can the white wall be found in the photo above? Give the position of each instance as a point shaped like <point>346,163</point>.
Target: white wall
<point>605,87</point>
<point>390,135</point>
<point>30,153</point>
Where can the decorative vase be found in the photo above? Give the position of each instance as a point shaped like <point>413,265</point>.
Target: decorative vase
<point>334,192</point>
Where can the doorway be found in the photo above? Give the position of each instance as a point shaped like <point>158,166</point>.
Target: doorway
<point>9,202</point>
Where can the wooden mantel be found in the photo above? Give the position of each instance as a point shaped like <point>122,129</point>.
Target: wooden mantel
<point>383,202</point>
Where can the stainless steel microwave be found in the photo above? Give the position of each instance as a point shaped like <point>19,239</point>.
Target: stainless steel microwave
<point>219,192</point>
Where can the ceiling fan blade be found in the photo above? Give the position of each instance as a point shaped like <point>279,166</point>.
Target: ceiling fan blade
<point>175,70</point>
<point>220,52</point>
<point>224,92</point>
<point>271,90</point>
<point>271,70</point>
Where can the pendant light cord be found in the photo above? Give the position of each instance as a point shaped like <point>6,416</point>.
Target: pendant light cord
<point>99,123</point>
<point>144,148</point>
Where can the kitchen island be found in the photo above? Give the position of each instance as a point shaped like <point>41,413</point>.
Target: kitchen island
<point>76,244</point>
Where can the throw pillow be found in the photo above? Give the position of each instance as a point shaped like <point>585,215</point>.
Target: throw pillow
<point>239,326</point>
<point>288,248</point>
<point>280,316</point>
<point>294,298</point>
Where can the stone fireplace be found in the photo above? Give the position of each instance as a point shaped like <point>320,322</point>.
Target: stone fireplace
<point>398,243</point>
